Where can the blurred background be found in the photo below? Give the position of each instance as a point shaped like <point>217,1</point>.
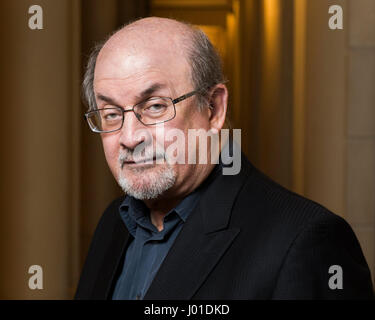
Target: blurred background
<point>303,95</point>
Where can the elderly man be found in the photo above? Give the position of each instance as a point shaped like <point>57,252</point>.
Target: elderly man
<point>185,230</point>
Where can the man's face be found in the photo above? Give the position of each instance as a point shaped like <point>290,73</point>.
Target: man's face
<point>125,76</point>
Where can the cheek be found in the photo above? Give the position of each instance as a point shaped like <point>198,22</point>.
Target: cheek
<point>198,119</point>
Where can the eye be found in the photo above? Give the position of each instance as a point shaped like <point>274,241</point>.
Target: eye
<point>111,114</point>
<point>153,108</point>
<point>156,107</point>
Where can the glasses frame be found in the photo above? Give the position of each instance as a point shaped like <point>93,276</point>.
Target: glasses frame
<point>174,102</point>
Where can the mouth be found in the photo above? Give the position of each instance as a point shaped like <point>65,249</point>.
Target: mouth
<point>141,162</point>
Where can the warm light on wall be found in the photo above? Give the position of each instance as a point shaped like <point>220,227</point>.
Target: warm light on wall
<point>271,30</point>
<point>299,95</point>
<point>216,34</point>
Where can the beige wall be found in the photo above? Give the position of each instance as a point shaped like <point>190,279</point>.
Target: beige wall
<point>360,124</point>
<point>40,149</point>
<point>338,116</point>
<point>325,108</point>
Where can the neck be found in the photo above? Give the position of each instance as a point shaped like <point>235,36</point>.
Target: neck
<point>161,206</point>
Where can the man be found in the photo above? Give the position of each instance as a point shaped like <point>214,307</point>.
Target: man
<point>185,230</point>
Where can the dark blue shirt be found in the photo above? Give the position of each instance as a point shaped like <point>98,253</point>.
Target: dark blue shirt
<point>149,247</point>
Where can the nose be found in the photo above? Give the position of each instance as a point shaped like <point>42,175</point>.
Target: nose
<point>130,135</point>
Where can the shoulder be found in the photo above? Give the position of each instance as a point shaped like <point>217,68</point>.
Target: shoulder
<point>303,238</point>
<point>323,253</point>
<point>112,210</point>
<point>109,226</point>
<point>110,218</point>
<point>109,223</point>
<point>273,202</point>
<point>281,218</point>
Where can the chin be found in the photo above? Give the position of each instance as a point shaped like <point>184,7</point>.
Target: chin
<point>145,182</point>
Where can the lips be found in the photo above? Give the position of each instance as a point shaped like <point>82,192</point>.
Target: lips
<point>141,161</point>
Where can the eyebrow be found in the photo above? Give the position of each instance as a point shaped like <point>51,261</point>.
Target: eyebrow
<point>139,97</point>
<point>107,99</point>
<point>149,91</point>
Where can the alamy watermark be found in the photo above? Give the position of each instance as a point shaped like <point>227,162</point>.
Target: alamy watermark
<point>336,21</point>
<point>36,19</point>
<point>198,146</point>
<point>36,280</point>
<point>336,280</point>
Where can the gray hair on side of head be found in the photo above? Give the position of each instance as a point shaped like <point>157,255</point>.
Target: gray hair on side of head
<point>205,63</point>
<point>206,66</point>
<point>88,79</point>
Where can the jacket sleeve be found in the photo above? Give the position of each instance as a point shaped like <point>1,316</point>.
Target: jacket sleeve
<point>325,261</point>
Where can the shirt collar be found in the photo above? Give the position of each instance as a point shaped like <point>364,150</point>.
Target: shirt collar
<point>134,212</point>
<point>184,208</point>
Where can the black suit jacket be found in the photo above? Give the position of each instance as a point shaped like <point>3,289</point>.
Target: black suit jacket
<point>248,238</point>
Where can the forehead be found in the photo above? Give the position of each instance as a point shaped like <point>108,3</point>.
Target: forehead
<point>134,67</point>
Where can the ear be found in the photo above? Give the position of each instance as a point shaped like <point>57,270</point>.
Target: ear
<point>218,102</point>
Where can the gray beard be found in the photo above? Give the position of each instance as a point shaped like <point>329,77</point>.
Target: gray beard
<point>157,182</point>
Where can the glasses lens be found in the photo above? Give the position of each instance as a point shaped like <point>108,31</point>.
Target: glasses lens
<point>107,119</point>
<point>155,110</point>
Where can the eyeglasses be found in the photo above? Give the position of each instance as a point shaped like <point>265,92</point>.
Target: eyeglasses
<point>152,111</point>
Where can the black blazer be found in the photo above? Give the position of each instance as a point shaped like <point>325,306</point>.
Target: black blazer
<point>248,238</point>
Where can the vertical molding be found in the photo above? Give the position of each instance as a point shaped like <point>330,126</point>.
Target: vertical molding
<point>231,63</point>
<point>75,140</point>
<point>248,68</point>
<point>325,109</point>
<point>272,117</point>
<point>298,143</point>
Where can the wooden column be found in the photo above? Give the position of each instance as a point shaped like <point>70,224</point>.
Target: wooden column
<point>40,149</point>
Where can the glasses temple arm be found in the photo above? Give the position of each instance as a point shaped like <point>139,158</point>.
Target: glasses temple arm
<point>185,96</point>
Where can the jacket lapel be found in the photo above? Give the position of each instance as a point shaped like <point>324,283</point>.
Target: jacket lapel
<point>201,242</point>
<point>114,258</point>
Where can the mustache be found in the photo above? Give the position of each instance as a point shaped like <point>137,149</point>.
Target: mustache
<point>128,155</point>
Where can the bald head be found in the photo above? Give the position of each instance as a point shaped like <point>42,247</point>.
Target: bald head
<point>144,33</point>
<point>153,41</point>
<point>146,45</point>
